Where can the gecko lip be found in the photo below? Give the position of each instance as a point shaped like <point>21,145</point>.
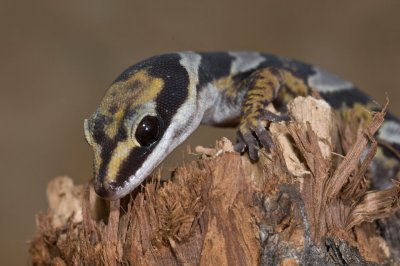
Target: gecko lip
<point>106,191</point>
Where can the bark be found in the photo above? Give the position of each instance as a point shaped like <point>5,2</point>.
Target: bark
<point>300,204</point>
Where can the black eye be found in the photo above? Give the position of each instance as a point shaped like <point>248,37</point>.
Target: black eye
<point>148,130</point>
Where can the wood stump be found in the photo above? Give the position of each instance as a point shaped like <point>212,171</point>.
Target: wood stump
<point>306,202</point>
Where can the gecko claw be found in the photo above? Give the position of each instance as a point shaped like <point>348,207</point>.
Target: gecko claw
<point>253,138</point>
<point>253,133</point>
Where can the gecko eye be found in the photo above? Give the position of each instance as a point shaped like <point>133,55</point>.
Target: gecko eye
<point>148,130</point>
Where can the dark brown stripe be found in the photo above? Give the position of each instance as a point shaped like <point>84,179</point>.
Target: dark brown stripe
<point>131,164</point>
<point>175,90</point>
<point>107,144</point>
<point>298,68</point>
<point>171,97</point>
<point>214,65</point>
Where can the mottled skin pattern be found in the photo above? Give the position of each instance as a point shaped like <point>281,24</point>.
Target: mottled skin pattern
<point>264,86</point>
<point>156,104</point>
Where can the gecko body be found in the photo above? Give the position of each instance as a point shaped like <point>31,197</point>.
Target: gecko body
<point>154,105</point>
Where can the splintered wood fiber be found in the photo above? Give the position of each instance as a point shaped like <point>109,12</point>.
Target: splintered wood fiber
<point>306,202</point>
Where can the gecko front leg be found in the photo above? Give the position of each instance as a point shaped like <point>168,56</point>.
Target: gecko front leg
<point>264,87</point>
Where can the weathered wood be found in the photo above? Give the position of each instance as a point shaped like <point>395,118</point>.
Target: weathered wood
<point>301,204</point>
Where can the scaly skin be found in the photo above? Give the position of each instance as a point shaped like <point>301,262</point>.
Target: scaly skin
<point>156,104</point>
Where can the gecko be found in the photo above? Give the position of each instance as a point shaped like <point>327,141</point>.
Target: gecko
<point>154,105</point>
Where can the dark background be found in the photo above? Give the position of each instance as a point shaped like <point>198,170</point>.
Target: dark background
<point>58,57</point>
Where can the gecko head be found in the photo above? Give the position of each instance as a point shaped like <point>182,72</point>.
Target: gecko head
<point>143,116</point>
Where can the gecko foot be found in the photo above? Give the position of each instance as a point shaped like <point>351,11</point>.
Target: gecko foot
<point>253,134</point>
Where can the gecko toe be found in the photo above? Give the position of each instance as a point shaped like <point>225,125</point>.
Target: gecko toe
<point>264,138</point>
<point>253,136</point>
<point>240,143</point>
<point>247,140</point>
<point>252,146</point>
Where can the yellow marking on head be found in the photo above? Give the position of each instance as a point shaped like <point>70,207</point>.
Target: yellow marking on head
<point>120,153</point>
<point>140,88</point>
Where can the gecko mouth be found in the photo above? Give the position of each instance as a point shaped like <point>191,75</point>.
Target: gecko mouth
<point>106,191</point>
<point>112,190</point>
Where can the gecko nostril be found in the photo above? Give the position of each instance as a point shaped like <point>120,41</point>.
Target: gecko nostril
<point>107,189</point>
<point>112,185</point>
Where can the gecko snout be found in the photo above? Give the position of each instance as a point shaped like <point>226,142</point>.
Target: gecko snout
<point>106,190</point>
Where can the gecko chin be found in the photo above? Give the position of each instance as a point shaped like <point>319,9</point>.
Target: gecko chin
<point>113,191</point>
<point>106,190</point>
